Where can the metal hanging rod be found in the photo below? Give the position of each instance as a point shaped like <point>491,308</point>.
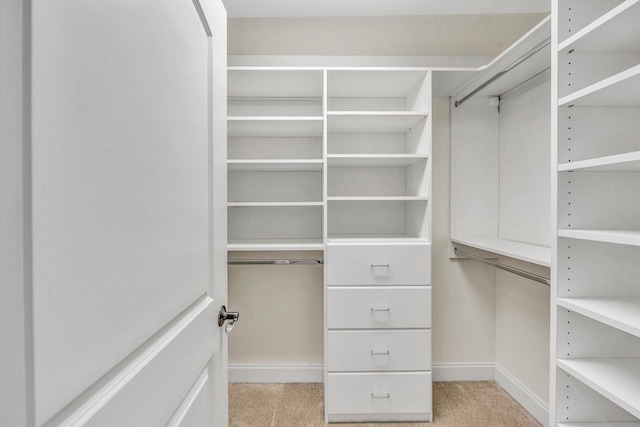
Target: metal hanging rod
<point>531,276</point>
<point>513,65</point>
<point>275,262</point>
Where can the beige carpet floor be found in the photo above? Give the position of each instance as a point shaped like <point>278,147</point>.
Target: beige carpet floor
<point>455,404</point>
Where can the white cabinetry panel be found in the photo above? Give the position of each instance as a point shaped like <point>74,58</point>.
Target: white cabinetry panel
<point>378,264</point>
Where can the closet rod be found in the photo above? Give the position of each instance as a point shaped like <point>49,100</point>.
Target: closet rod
<point>274,261</point>
<point>504,267</point>
<point>513,65</point>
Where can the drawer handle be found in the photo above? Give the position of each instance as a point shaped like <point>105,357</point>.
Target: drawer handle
<point>386,396</point>
<point>380,309</point>
<point>384,353</point>
<point>380,266</point>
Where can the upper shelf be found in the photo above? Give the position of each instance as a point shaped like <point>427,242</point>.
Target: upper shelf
<point>274,165</point>
<point>621,237</point>
<point>540,255</point>
<point>275,245</point>
<point>526,58</point>
<point>620,313</point>
<point>274,126</point>
<point>373,83</point>
<point>627,162</point>
<point>620,90</point>
<point>617,31</point>
<point>373,121</point>
<point>280,83</point>
<point>373,160</point>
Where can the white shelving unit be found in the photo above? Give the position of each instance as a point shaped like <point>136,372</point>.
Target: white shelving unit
<point>500,153</point>
<point>275,164</point>
<point>595,292</point>
<point>339,159</point>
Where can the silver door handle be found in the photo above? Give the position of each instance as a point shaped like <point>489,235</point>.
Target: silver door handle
<point>380,309</point>
<point>228,317</point>
<point>384,396</point>
<point>383,353</point>
<point>380,266</point>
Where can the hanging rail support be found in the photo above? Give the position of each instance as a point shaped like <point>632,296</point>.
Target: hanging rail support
<point>275,262</point>
<point>513,65</point>
<point>531,276</point>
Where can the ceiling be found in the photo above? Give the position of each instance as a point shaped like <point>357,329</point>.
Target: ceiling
<point>309,8</point>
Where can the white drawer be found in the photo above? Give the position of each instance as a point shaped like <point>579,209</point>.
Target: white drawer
<point>379,307</point>
<point>390,264</point>
<point>383,393</point>
<point>380,350</point>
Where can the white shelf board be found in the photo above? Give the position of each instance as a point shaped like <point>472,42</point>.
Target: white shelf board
<point>272,204</point>
<point>373,121</point>
<point>373,83</point>
<point>373,160</point>
<point>289,126</point>
<point>279,83</point>
<point>619,90</point>
<point>620,313</point>
<point>274,165</point>
<point>377,198</point>
<point>540,255</point>
<point>627,162</point>
<point>621,237</point>
<point>616,379</point>
<point>374,238</point>
<point>275,245</point>
<point>534,65</point>
<point>616,31</point>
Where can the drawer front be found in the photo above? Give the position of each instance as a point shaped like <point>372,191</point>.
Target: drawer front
<point>379,307</point>
<point>351,265</point>
<point>370,351</point>
<point>384,393</point>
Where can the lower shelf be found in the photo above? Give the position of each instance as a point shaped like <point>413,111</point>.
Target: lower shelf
<point>540,255</point>
<point>616,379</point>
<point>275,245</point>
<point>620,313</point>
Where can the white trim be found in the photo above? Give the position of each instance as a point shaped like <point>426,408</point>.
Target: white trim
<point>275,373</point>
<point>522,395</point>
<point>463,371</point>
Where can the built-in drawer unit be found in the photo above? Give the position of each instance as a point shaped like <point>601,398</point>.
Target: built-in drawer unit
<point>384,264</point>
<point>379,350</point>
<point>405,393</point>
<point>378,338</point>
<point>380,307</point>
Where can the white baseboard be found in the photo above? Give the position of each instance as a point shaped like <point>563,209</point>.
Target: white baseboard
<point>522,395</point>
<point>275,373</point>
<point>463,371</point>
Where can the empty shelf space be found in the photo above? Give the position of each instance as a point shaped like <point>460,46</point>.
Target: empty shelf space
<point>620,313</point>
<point>373,160</point>
<point>627,162</point>
<point>540,255</point>
<point>364,83</point>
<point>256,126</point>
<point>283,82</point>
<point>620,90</point>
<point>616,379</point>
<point>377,198</point>
<point>275,245</point>
<point>375,239</point>
<point>272,204</point>
<point>622,237</point>
<point>373,121</point>
<point>274,165</point>
<point>615,31</point>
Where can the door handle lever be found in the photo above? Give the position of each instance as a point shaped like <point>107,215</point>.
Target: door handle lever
<point>228,317</point>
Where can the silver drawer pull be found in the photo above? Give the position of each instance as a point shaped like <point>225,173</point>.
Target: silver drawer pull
<point>380,266</point>
<point>384,353</point>
<point>380,309</point>
<point>386,396</point>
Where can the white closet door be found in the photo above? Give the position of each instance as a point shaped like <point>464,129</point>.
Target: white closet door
<point>123,260</point>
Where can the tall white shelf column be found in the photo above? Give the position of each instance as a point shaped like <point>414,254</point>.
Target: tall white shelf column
<point>595,378</point>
